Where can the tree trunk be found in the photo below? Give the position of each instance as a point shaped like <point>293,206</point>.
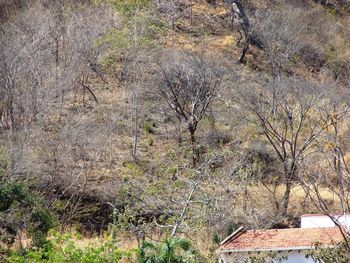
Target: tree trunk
<point>245,199</point>
<point>134,124</point>
<point>193,144</point>
<point>337,154</point>
<point>183,212</point>
<point>245,50</point>
<point>179,133</point>
<point>285,201</point>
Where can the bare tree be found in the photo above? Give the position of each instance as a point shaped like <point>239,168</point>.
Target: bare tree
<point>241,21</point>
<point>293,130</point>
<point>239,16</point>
<point>280,32</point>
<point>43,56</point>
<point>189,84</point>
<point>333,174</point>
<point>316,181</point>
<point>201,173</point>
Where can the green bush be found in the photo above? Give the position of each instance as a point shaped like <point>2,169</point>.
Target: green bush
<point>339,253</point>
<point>174,250</point>
<point>148,127</point>
<point>63,249</point>
<point>132,169</point>
<point>22,210</point>
<point>150,140</point>
<point>129,7</point>
<point>41,222</point>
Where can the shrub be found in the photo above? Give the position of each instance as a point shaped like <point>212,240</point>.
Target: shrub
<point>148,126</point>
<point>175,250</point>
<point>313,57</point>
<point>63,249</point>
<point>340,253</point>
<point>22,210</point>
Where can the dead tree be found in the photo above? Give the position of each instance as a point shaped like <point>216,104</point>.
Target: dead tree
<point>282,33</point>
<point>292,129</point>
<point>334,173</point>
<point>189,84</point>
<point>202,173</point>
<point>239,15</point>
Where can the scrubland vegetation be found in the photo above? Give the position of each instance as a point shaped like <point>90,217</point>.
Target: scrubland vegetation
<point>155,128</point>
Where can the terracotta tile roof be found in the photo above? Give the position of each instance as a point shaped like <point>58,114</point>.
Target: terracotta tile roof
<point>281,239</point>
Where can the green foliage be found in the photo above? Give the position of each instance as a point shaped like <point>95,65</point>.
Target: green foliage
<point>150,140</point>
<point>137,19</point>
<point>21,209</point>
<point>232,227</point>
<point>330,52</point>
<point>216,239</point>
<point>63,249</point>
<point>333,11</point>
<point>128,8</point>
<point>148,126</point>
<point>173,169</point>
<point>140,30</point>
<point>41,222</point>
<point>4,162</point>
<point>265,257</point>
<point>117,38</point>
<point>339,253</point>
<point>174,250</point>
<point>170,153</point>
<point>132,169</point>
<point>12,193</point>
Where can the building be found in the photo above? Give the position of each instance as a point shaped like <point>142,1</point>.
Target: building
<point>288,245</point>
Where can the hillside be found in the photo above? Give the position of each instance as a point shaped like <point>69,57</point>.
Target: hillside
<point>171,118</point>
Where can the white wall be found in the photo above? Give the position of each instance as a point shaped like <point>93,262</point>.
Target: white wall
<point>316,221</point>
<point>296,257</point>
<point>293,257</point>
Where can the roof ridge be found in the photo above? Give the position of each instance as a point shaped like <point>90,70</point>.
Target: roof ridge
<point>292,228</point>
<point>238,231</point>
